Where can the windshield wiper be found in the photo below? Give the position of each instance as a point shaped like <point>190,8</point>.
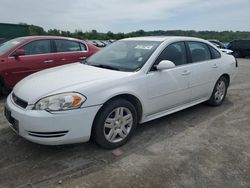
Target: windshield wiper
<point>106,67</point>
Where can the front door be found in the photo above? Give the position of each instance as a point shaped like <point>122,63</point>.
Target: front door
<point>37,57</point>
<point>169,88</point>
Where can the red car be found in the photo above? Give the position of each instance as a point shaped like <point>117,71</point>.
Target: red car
<point>23,56</point>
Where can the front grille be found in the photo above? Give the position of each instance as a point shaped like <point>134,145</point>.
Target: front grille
<point>48,134</point>
<point>19,101</point>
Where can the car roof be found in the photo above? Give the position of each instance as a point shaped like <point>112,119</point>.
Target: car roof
<point>47,37</point>
<point>163,38</point>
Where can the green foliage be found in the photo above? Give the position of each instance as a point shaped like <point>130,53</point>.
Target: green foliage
<point>36,30</point>
<point>110,35</point>
<point>224,36</point>
<point>54,32</point>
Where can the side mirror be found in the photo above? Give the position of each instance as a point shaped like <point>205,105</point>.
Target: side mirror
<point>165,64</point>
<point>19,52</point>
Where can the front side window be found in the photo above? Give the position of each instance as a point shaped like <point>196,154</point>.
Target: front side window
<point>67,46</point>
<point>125,55</point>
<point>199,51</point>
<point>37,47</point>
<point>175,52</point>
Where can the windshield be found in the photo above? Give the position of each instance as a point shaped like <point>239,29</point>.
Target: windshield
<point>124,55</point>
<point>5,47</point>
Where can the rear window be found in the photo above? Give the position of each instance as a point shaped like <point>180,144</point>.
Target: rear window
<point>5,47</point>
<point>215,54</point>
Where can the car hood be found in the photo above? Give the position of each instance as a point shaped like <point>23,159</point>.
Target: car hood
<point>59,79</point>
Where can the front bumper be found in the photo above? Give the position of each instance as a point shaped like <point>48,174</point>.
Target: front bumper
<point>42,127</point>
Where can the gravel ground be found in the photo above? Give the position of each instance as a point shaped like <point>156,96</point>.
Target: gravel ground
<point>201,146</point>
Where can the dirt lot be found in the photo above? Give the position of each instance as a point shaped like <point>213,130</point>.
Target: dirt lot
<point>201,146</point>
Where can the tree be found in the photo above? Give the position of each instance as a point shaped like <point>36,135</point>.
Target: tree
<point>140,32</point>
<point>66,34</point>
<point>110,35</point>
<point>36,30</point>
<point>54,32</point>
<point>224,36</point>
<point>119,36</point>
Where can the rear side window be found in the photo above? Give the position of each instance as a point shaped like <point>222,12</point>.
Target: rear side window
<point>215,54</point>
<point>37,47</point>
<point>175,52</point>
<point>67,46</point>
<point>83,47</point>
<point>199,51</point>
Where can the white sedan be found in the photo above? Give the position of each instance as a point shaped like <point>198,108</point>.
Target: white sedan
<point>132,81</point>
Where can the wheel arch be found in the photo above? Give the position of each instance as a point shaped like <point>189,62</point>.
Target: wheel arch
<point>227,76</point>
<point>129,97</point>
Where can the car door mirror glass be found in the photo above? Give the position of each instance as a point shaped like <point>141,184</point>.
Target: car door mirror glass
<point>165,64</point>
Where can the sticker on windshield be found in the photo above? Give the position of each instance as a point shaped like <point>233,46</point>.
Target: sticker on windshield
<point>144,47</point>
<point>140,59</point>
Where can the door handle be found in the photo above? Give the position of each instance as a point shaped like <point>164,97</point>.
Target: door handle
<point>215,66</point>
<point>48,61</point>
<point>63,59</point>
<point>82,58</point>
<point>186,72</point>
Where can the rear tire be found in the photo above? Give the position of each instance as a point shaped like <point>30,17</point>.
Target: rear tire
<point>219,92</point>
<point>114,124</point>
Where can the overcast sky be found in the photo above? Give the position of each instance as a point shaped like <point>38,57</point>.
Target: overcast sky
<point>129,15</point>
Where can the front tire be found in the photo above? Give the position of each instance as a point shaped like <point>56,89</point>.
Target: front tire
<point>114,124</point>
<point>219,92</point>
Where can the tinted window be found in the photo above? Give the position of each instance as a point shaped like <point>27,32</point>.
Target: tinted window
<point>37,47</point>
<point>215,54</point>
<point>83,47</point>
<point>199,51</point>
<point>174,52</point>
<point>67,46</point>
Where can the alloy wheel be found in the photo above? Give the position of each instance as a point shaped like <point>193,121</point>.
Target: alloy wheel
<point>118,124</point>
<point>220,91</point>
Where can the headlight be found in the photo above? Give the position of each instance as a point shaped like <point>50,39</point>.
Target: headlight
<point>64,101</point>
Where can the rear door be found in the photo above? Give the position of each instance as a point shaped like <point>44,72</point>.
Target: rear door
<point>205,69</point>
<point>70,51</point>
<point>38,56</point>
